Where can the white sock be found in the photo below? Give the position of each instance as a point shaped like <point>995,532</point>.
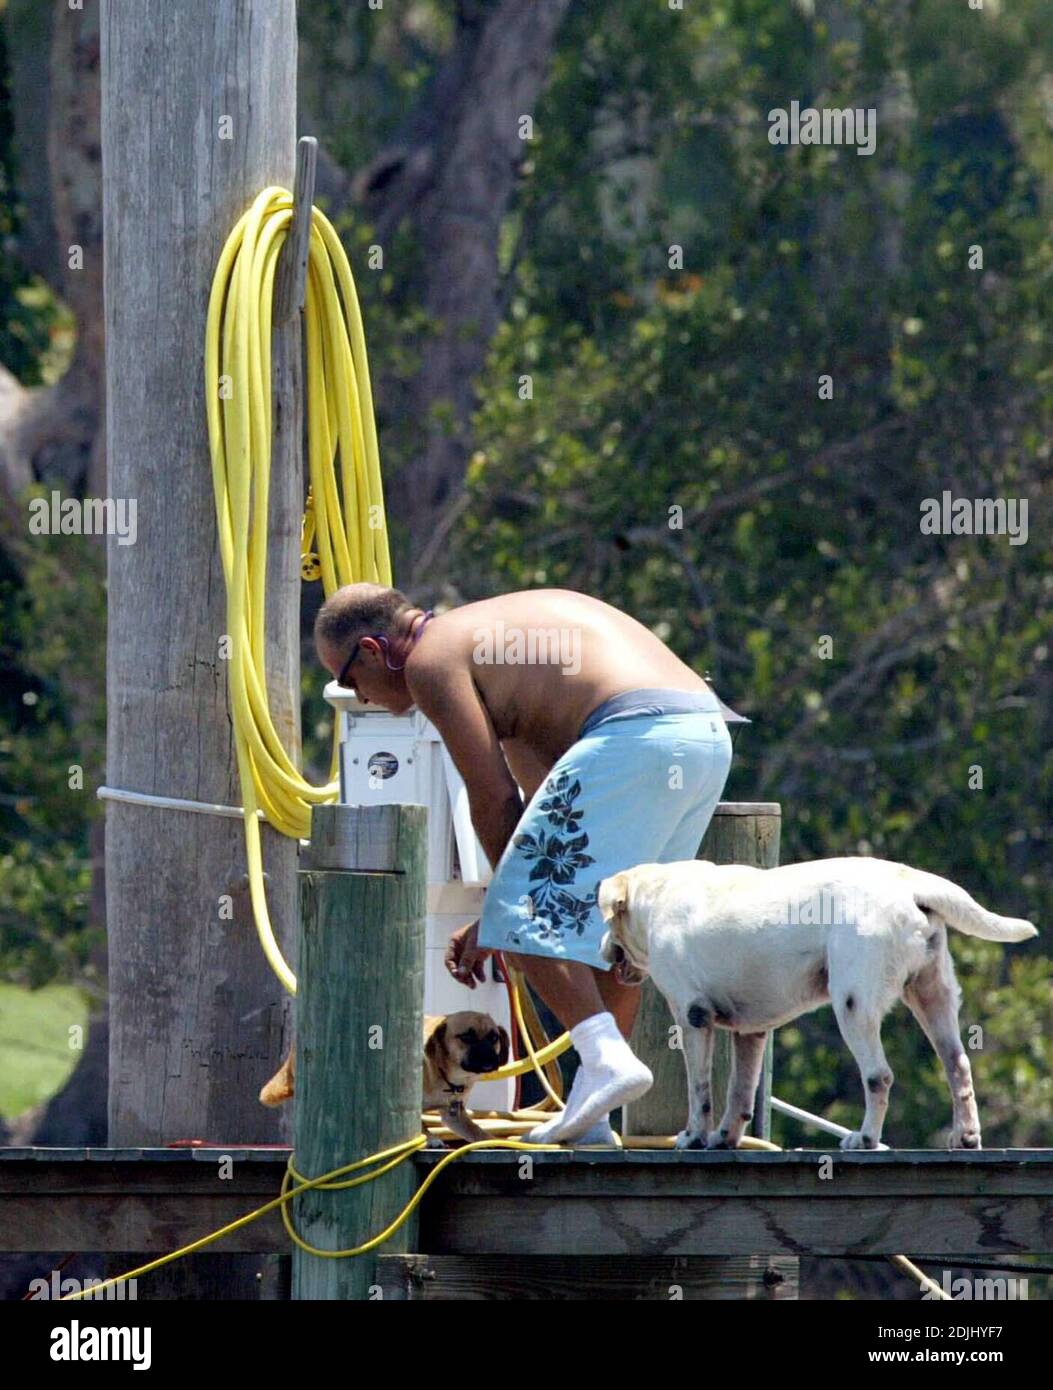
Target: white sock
<point>600,1135</point>
<point>601,1132</point>
<point>610,1075</point>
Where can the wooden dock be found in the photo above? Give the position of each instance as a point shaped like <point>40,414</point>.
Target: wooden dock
<point>650,1202</point>
<point>496,1223</point>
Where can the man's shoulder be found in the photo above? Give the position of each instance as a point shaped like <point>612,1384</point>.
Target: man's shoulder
<point>438,663</point>
<point>496,602</point>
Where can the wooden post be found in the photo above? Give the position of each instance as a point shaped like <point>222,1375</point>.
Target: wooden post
<point>741,832</point>
<point>359,1005</point>
<point>290,282</point>
<point>198,115</point>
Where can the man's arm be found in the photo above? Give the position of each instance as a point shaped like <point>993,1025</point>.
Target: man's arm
<point>449,698</point>
<point>527,768</point>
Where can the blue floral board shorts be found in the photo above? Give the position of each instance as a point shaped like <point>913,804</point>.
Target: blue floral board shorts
<point>639,786</point>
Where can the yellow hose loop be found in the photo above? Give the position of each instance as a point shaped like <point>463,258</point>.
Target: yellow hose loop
<point>534,1060</point>
<point>398,1154</point>
<point>536,1029</point>
<point>408,1209</point>
<point>344,519</point>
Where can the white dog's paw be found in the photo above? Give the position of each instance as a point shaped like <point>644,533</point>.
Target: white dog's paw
<point>961,1138</point>
<point>434,1142</point>
<point>719,1140</point>
<point>857,1140</point>
<point>690,1139</point>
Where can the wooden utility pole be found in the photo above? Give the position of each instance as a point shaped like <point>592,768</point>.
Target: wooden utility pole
<point>198,115</point>
<point>363,895</point>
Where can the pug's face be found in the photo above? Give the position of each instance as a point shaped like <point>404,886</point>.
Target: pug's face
<point>475,1042</point>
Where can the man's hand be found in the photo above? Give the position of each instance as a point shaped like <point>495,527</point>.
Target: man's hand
<point>464,958</point>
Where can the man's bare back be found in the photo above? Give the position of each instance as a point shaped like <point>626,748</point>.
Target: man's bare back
<point>543,659</point>
<point>508,684</point>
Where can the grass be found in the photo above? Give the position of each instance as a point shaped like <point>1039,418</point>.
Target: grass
<point>36,1054</point>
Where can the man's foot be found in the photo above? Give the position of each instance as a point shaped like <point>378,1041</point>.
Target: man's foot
<point>602,1094</point>
<point>601,1135</point>
<point>610,1075</point>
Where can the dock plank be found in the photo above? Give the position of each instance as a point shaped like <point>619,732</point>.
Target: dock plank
<point>645,1203</point>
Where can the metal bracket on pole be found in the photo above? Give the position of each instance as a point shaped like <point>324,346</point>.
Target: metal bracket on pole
<point>291,280</point>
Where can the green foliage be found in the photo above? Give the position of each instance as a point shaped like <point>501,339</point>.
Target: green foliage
<point>362,68</point>
<point>52,722</point>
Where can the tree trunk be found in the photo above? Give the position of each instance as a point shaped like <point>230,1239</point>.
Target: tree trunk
<point>450,171</point>
<point>53,434</point>
<point>199,114</point>
<point>461,219</point>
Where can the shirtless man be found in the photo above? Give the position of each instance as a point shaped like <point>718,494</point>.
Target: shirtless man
<point>621,753</point>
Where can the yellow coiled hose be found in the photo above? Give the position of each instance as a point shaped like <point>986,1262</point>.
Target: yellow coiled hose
<point>346,518</point>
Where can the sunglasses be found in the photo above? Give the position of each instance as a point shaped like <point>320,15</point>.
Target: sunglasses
<point>348,664</point>
<point>377,637</point>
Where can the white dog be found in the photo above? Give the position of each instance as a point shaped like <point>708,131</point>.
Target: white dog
<point>750,949</point>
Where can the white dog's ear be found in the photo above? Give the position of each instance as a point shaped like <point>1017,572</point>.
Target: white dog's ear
<point>613,897</point>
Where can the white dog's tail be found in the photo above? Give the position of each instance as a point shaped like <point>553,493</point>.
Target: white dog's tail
<point>964,913</point>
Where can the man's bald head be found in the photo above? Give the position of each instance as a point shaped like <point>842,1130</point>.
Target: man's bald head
<point>355,611</point>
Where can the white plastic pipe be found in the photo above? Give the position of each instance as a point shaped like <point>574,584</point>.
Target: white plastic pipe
<point>806,1118</point>
<point>170,803</point>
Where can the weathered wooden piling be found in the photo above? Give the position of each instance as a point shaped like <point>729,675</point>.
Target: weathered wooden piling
<point>359,1028</point>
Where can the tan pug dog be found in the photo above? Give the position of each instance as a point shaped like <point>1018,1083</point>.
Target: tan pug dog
<point>458,1049</point>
